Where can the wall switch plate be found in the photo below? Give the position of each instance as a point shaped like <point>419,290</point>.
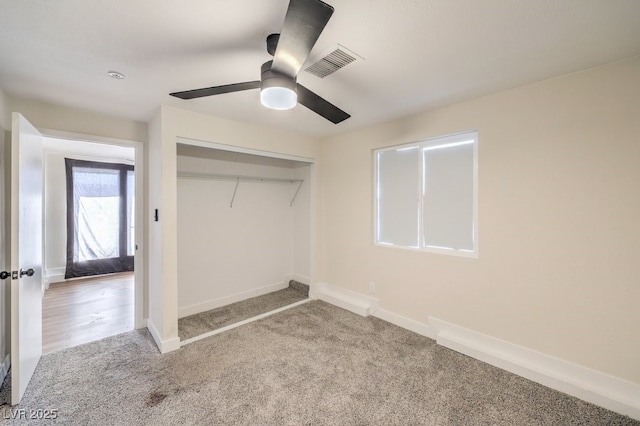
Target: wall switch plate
<point>372,287</point>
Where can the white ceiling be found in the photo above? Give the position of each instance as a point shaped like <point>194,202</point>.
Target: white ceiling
<point>418,54</point>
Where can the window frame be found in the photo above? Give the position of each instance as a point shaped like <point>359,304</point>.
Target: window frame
<point>421,144</point>
<point>124,262</point>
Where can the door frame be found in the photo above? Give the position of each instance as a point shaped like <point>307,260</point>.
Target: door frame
<point>5,243</point>
<point>140,314</point>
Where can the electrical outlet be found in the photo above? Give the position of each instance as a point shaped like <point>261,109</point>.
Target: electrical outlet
<point>372,287</point>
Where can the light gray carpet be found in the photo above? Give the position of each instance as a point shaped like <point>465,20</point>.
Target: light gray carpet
<point>314,364</point>
<point>214,319</point>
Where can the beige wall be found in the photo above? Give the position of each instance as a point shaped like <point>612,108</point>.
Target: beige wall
<point>559,202</point>
<point>168,125</point>
<point>4,118</point>
<point>153,230</point>
<point>56,117</point>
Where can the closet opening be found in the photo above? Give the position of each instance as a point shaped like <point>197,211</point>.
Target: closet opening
<point>245,240</point>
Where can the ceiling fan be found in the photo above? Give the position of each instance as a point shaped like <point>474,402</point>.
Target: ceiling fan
<point>303,24</point>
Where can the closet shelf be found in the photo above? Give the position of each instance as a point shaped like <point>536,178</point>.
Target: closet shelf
<point>215,176</point>
<point>238,178</point>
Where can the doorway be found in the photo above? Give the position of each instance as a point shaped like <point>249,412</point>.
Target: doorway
<point>83,305</point>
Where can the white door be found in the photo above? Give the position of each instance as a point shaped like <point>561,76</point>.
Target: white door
<point>26,254</point>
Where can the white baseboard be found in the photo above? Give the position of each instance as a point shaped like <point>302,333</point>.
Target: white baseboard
<point>589,385</point>
<point>54,275</point>
<point>164,346</point>
<point>143,323</point>
<point>4,368</point>
<point>185,311</point>
<point>406,323</point>
<point>346,299</point>
<point>598,388</point>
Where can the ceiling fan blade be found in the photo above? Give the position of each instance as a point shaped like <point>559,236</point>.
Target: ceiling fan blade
<point>320,106</point>
<point>303,24</point>
<point>216,90</point>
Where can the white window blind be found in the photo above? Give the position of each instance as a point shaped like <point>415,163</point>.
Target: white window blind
<point>426,196</point>
<point>398,200</point>
<point>447,213</point>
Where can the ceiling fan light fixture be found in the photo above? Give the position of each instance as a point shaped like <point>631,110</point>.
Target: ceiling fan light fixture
<point>280,98</point>
<point>277,91</point>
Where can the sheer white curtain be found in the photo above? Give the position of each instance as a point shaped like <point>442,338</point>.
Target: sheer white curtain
<point>100,200</point>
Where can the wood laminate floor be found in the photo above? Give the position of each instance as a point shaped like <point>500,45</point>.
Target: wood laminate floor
<point>86,310</point>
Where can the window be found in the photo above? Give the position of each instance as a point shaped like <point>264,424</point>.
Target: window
<point>100,212</point>
<point>426,195</point>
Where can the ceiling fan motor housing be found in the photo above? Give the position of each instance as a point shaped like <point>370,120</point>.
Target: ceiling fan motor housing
<point>277,91</point>
<point>272,43</point>
<point>270,78</point>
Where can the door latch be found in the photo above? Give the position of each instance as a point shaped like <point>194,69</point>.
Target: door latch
<point>14,274</point>
<point>29,272</point>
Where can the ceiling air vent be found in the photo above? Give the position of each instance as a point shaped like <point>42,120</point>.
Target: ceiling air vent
<point>332,62</point>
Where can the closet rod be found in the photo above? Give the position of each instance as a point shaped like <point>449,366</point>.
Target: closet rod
<point>238,178</point>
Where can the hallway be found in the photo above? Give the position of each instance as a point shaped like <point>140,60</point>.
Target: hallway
<point>85,310</point>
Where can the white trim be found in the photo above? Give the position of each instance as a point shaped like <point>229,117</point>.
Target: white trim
<point>185,311</point>
<point>433,140</point>
<point>139,298</point>
<point>55,275</point>
<point>164,346</point>
<point>406,323</point>
<point>589,385</point>
<point>243,322</point>
<point>346,299</point>
<point>242,150</point>
<point>4,368</point>
<point>84,137</point>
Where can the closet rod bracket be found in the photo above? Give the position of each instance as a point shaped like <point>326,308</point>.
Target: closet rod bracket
<point>296,194</point>
<point>233,197</point>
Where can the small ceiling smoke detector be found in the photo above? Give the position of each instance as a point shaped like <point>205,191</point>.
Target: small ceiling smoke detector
<point>115,74</point>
